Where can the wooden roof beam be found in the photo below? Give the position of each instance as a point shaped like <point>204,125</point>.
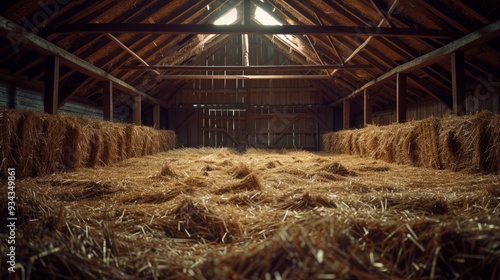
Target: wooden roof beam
<point>245,68</point>
<point>475,38</point>
<point>43,46</point>
<point>241,77</point>
<point>249,29</point>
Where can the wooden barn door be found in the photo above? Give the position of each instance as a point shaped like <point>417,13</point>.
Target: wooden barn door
<point>283,128</point>
<point>224,127</point>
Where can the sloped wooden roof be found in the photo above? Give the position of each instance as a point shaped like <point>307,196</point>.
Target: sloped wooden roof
<point>124,39</point>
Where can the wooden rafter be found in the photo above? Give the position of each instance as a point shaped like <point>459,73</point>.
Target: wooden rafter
<point>480,36</point>
<point>43,46</point>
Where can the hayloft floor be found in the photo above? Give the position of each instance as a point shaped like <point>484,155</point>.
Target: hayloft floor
<point>215,213</point>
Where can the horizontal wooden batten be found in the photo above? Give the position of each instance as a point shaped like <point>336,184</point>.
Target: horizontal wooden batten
<point>245,68</point>
<point>247,90</point>
<point>241,77</point>
<point>250,29</point>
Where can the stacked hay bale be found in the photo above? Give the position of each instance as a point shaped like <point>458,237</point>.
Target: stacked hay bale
<point>470,143</point>
<point>37,143</point>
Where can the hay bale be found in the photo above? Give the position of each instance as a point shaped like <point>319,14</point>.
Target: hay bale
<point>133,144</point>
<point>427,141</point>
<point>96,150</point>
<point>468,143</point>
<point>403,144</point>
<point>109,153</point>
<point>481,140</point>
<point>10,138</point>
<point>37,143</point>
<point>465,141</point>
<point>492,160</point>
<point>31,135</point>
<point>121,143</point>
<point>372,141</point>
<point>52,150</point>
<point>73,149</point>
<point>167,140</point>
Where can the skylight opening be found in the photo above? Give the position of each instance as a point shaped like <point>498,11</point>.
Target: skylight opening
<point>265,18</point>
<point>228,18</point>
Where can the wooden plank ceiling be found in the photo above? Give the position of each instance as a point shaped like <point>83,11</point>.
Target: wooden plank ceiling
<point>157,46</point>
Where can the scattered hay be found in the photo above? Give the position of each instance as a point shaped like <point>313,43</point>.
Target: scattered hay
<point>248,183</point>
<point>273,164</point>
<point>193,219</point>
<point>251,198</point>
<point>159,197</point>
<point>469,143</point>
<point>240,171</point>
<point>338,169</point>
<point>197,182</point>
<point>406,222</point>
<point>374,169</point>
<point>324,176</point>
<point>307,201</point>
<point>167,170</point>
<point>87,190</point>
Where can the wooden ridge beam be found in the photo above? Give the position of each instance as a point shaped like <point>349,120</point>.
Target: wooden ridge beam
<point>131,28</point>
<point>475,38</point>
<point>245,68</point>
<point>43,46</point>
<point>241,77</point>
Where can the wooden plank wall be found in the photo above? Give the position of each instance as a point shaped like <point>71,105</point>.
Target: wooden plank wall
<point>259,113</point>
<point>475,101</point>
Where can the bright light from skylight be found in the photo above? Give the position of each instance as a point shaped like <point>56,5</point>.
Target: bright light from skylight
<point>265,18</point>
<point>228,18</point>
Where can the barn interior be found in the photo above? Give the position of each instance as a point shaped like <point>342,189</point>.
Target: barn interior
<point>250,139</point>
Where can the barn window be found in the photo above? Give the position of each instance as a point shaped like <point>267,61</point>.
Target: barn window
<point>228,18</point>
<point>265,18</point>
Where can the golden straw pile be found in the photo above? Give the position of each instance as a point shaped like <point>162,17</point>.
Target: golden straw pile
<point>218,214</point>
<point>37,143</point>
<point>470,143</point>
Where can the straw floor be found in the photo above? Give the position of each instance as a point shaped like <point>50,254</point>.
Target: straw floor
<point>217,214</point>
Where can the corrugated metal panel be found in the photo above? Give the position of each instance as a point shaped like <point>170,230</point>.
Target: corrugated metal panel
<point>31,100</point>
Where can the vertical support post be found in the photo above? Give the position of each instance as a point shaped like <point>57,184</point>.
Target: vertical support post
<point>347,114</point>
<point>458,83</point>
<point>156,116</point>
<point>496,102</point>
<point>136,110</point>
<point>401,98</point>
<point>245,50</point>
<point>244,37</point>
<point>107,92</point>
<point>246,11</point>
<point>50,99</point>
<point>367,112</point>
<point>11,92</point>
